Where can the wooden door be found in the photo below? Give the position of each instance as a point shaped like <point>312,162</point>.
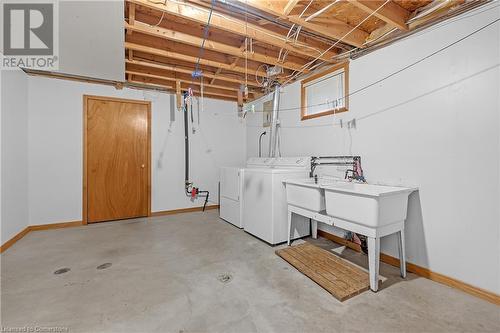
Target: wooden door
<point>116,159</point>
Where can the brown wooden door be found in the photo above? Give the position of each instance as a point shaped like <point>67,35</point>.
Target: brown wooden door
<point>117,159</point>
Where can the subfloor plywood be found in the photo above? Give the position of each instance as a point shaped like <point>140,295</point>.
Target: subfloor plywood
<point>337,276</point>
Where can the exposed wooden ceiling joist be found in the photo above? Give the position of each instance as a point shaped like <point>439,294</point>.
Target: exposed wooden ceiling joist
<point>186,83</point>
<point>141,83</point>
<point>336,29</point>
<point>184,57</point>
<point>169,75</point>
<point>233,25</point>
<point>131,15</point>
<point>391,12</point>
<point>184,70</point>
<point>163,39</point>
<point>170,84</point>
<point>209,44</point>
<point>193,52</point>
<point>153,18</point>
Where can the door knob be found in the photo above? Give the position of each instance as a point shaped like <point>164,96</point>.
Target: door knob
<point>142,166</point>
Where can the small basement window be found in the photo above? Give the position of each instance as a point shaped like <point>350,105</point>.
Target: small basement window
<point>325,93</point>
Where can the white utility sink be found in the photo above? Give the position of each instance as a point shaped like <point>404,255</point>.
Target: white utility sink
<point>306,193</point>
<point>367,204</point>
<point>371,210</point>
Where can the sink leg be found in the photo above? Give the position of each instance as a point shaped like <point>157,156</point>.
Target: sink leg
<point>289,226</point>
<point>314,228</point>
<point>402,254</point>
<point>373,261</point>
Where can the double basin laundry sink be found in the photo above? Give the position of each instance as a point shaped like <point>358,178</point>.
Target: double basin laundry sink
<point>367,204</point>
<point>367,209</point>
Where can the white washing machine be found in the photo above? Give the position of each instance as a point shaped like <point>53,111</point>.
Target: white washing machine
<point>231,186</point>
<point>264,204</point>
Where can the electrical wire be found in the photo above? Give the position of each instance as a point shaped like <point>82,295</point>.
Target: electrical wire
<point>399,70</point>
<point>233,20</point>
<point>297,32</point>
<point>471,13</point>
<point>307,65</point>
<point>392,107</point>
<point>205,36</point>
<point>161,18</point>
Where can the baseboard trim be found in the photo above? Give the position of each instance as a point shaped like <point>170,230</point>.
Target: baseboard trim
<point>71,224</point>
<point>56,225</point>
<point>29,228</point>
<point>421,271</point>
<point>183,210</point>
<point>14,239</point>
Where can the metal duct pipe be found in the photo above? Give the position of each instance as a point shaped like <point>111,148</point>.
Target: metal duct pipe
<point>273,131</point>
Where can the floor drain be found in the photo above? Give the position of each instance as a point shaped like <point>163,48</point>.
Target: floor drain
<point>104,266</point>
<point>225,278</point>
<point>62,270</point>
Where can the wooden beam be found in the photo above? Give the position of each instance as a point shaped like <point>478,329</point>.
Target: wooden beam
<point>194,52</point>
<point>209,44</point>
<point>131,16</point>
<point>336,29</point>
<point>184,26</point>
<point>178,96</point>
<point>391,12</point>
<point>240,97</point>
<point>290,5</point>
<point>189,71</point>
<point>215,76</point>
<point>233,25</point>
<point>184,57</point>
<point>378,33</point>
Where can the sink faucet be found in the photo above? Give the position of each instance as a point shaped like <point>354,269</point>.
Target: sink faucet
<point>357,171</point>
<point>313,166</point>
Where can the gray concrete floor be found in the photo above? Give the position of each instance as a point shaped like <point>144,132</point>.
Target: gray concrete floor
<point>164,277</point>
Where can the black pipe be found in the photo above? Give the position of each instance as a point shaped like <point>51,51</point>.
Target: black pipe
<point>206,198</point>
<point>186,144</point>
<point>260,143</point>
<point>187,183</point>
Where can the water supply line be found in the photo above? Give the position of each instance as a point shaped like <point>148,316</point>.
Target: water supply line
<point>354,161</point>
<point>191,191</point>
<point>260,143</point>
<point>273,131</point>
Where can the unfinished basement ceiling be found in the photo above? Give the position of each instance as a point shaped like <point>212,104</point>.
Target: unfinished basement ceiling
<point>247,37</point>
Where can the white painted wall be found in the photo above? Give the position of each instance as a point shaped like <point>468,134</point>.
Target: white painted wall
<point>55,148</point>
<point>91,38</point>
<point>435,126</point>
<point>14,153</point>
